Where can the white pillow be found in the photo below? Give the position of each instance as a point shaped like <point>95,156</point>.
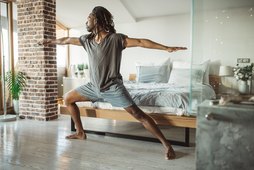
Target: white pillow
<point>205,68</point>
<point>179,76</point>
<point>182,71</point>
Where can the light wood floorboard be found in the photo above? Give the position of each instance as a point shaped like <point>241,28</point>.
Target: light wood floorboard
<point>30,144</point>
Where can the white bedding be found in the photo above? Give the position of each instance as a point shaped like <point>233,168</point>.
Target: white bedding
<point>146,109</point>
<point>162,97</point>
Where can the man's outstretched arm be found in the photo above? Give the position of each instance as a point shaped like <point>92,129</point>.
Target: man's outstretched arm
<point>61,41</point>
<point>145,43</point>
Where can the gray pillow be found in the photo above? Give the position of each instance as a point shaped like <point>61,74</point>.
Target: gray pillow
<point>157,74</point>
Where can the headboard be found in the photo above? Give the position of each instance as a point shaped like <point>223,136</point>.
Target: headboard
<point>215,81</point>
<point>132,77</point>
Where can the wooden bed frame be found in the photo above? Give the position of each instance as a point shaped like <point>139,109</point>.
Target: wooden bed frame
<point>186,122</point>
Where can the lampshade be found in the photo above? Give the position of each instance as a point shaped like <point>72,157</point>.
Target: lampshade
<point>226,71</point>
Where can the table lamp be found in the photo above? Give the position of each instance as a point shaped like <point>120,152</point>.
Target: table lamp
<point>226,71</point>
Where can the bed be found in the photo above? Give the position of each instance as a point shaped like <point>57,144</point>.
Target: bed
<point>169,102</point>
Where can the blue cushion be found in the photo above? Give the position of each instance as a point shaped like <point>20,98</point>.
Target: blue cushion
<point>157,74</point>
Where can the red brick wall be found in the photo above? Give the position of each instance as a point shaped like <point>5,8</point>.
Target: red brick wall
<point>37,21</point>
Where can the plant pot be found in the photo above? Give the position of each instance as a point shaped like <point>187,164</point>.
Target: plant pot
<point>72,71</point>
<point>243,87</point>
<point>81,73</point>
<point>16,106</point>
<point>86,72</point>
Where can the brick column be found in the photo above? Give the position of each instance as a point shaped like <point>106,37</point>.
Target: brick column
<point>37,21</point>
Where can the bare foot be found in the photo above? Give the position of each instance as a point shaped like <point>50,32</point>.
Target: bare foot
<point>170,153</point>
<point>78,135</point>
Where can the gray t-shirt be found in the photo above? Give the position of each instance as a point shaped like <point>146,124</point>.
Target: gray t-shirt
<point>104,59</point>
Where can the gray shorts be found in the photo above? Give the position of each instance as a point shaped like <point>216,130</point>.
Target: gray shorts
<point>117,95</point>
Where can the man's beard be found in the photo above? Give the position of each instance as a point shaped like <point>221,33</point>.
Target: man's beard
<point>90,29</point>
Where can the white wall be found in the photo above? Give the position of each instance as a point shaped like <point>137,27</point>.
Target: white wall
<point>222,36</point>
<point>77,53</point>
<point>168,30</point>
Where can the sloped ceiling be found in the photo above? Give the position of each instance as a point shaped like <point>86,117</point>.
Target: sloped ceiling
<point>73,13</point>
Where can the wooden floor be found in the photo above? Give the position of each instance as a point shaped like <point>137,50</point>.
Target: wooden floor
<point>30,144</point>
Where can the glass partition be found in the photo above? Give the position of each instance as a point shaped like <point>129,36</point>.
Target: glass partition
<point>222,34</point>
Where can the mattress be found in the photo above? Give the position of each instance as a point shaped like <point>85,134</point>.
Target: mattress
<point>162,97</point>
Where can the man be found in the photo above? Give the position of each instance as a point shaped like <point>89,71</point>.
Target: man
<point>104,47</point>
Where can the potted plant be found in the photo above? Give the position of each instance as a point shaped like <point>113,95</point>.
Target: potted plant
<point>243,74</point>
<point>15,82</point>
<point>81,68</point>
<point>85,66</point>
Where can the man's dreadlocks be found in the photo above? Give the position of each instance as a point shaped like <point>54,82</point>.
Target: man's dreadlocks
<point>104,20</point>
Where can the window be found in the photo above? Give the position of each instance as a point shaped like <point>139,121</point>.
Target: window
<point>6,50</point>
<point>62,56</point>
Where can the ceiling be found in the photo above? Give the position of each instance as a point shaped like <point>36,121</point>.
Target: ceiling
<point>73,13</point>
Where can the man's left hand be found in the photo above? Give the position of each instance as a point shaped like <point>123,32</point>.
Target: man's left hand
<point>173,49</point>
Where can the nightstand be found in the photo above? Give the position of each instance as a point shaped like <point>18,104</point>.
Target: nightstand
<point>224,137</point>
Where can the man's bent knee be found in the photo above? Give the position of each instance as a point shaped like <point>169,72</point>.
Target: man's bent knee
<point>73,97</point>
<point>68,99</point>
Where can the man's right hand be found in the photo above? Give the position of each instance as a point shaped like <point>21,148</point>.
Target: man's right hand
<point>45,42</point>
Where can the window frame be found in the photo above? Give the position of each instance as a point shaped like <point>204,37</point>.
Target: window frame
<point>10,50</point>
